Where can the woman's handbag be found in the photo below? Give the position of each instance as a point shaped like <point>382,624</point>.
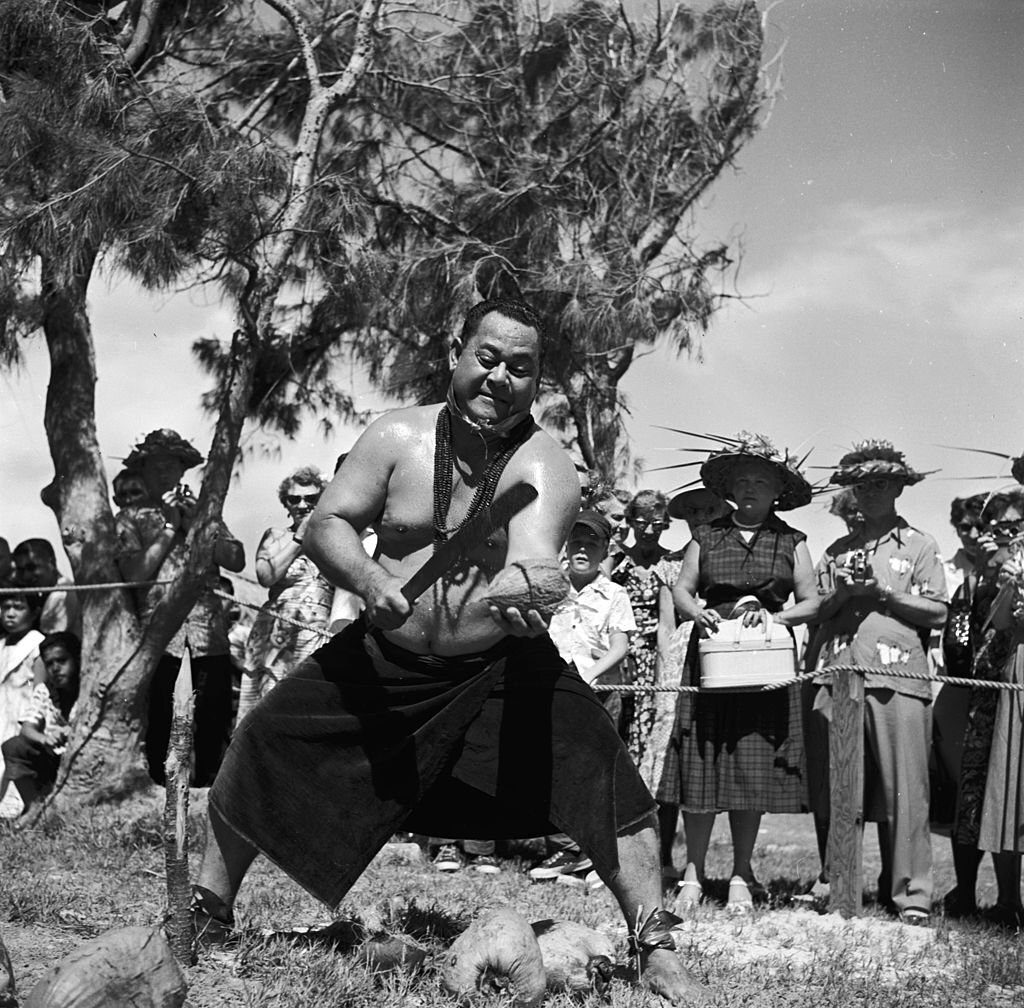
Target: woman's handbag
<point>739,657</point>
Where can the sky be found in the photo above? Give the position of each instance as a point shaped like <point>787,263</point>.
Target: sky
<point>879,217</point>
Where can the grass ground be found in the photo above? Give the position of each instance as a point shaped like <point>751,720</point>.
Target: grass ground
<point>61,884</point>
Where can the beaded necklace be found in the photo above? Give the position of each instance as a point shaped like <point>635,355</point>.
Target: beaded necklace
<point>444,465</point>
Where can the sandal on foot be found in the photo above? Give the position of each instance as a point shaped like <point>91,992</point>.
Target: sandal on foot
<point>740,899</point>
<point>212,921</point>
<point>689,893</point>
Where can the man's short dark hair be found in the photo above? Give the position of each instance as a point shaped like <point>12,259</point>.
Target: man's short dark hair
<point>40,547</point>
<point>518,311</point>
<point>65,639</point>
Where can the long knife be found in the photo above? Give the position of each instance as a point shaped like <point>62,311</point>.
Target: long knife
<point>456,549</point>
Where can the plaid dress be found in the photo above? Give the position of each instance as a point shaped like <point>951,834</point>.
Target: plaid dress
<point>738,751</point>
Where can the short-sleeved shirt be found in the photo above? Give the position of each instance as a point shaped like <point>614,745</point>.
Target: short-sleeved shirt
<point>205,627</point>
<point>582,626</point>
<point>44,715</point>
<point>863,632</point>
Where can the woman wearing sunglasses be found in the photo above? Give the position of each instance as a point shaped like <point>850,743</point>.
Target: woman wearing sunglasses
<point>980,750</point>
<point>298,592</point>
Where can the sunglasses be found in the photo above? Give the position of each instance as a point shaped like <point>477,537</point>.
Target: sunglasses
<point>294,500</point>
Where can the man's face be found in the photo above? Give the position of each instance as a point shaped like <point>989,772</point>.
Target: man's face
<point>15,615</point>
<point>585,550</point>
<point>496,374</point>
<point>876,496</point>
<point>59,664</point>
<point>162,472</point>
<point>34,569</point>
<point>130,491</point>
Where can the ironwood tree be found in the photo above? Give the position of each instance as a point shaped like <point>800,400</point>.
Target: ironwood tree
<point>558,157</point>
<point>113,155</point>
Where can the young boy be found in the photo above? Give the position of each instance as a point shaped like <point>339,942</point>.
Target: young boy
<point>591,631</point>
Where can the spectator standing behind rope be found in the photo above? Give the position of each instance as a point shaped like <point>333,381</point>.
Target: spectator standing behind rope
<point>36,565</point>
<point>20,668</point>
<point>740,753</point>
<point>647,570</point>
<point>882,590</point>
<point>152,548</point>
<point>298,591</point>
<point>957,639</point>
<point>989,808</point>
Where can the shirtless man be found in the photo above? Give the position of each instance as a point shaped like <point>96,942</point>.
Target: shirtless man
<point>408,716</point>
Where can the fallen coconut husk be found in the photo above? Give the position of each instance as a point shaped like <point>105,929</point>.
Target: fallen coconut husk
<point>497,953</point>
<point>129,966</point>
<point>576,958</point>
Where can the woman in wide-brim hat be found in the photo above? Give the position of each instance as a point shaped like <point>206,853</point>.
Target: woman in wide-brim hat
<point>698,506</point>
<point>740,753</point>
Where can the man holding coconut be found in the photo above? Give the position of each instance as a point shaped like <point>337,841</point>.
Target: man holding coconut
<point>449,716</point>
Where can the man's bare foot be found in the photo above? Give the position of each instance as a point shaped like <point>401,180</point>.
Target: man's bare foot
<point>663,974</point>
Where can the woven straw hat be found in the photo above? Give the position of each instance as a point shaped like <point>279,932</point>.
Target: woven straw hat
<point>717,471</point>
<point>874,458</point>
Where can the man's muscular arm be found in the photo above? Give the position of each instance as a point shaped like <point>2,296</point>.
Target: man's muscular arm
<point>352,501</point>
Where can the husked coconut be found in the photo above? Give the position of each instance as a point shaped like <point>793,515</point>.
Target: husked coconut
<point>576,958</point>
<point>539,584</point>
<point>497,953</point>
<point>130,966</point>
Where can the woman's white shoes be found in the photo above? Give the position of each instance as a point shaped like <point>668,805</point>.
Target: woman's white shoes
<point>740,901</point>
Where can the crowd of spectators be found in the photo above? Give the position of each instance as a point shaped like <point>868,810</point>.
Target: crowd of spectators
<point>945,760</point>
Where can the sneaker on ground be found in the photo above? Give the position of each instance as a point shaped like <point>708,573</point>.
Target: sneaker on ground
<point>552,867</point>
<point>577,881</point>
<point>485,864</point>
<point>448,858</point>
<point>594,881</point>
<point>582,864</point>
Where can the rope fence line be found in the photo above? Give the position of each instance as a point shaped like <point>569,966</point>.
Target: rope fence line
<point>105,586</point>
<point>598,688</point>
<point>766,688</point>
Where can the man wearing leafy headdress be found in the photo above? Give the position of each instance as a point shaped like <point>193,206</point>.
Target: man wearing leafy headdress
<point>151,536</point>
<point>883,590</point>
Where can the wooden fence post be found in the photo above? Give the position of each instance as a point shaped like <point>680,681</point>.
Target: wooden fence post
<point>177,770</point>
<point>846,783</point>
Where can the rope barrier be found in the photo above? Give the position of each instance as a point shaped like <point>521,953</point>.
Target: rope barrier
<point>322,634</point>
<point>766,688</point>
<point>795,680</point>
<point>104,586</point>
<point>598,688</point>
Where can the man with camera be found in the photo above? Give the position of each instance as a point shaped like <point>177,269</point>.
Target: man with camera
<point>883,591</point>
<point>151,536</point>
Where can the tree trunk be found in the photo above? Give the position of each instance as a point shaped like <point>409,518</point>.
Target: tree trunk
<point>104,756</point>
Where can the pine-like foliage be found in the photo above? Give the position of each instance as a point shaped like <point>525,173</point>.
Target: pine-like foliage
<point>556,158</point>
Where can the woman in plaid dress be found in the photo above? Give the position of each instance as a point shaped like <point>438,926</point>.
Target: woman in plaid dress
<point>740,753</point>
